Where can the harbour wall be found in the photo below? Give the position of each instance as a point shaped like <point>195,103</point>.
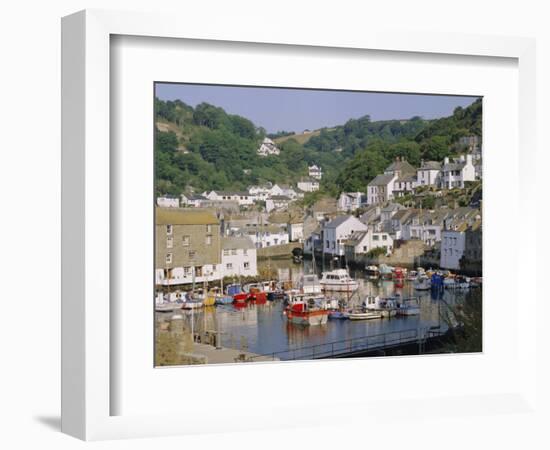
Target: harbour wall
<point>278,251</point>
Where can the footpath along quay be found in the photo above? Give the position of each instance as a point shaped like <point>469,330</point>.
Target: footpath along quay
<point>411,341</point>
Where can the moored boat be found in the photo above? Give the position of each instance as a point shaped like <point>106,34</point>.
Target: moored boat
<point>338,280</point>
<point>409,307</point>
<point>422,284</point>
<point>387,307</point>
<point>364,315</point>
<point>304,310</point>
<point>309,284</point>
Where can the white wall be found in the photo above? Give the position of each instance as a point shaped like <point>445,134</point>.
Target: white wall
<point>452,249</point>
<point>235,261</point>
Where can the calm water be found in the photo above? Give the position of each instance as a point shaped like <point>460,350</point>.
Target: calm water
<point>263,329</point>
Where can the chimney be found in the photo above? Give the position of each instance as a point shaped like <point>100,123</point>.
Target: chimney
<point>469,159</point>
<point>446,160</point>
<point>462,159</point>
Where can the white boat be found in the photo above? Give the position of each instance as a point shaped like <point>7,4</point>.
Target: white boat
<point>409,307</point>
<point>422,284</point>
<point>309,284</point>
<point>338,280</point>
<point>364,315</point>
<point>192,304</point>
<point>167,306</point>
<point>387,307</point>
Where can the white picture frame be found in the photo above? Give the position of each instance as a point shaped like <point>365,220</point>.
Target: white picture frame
<point>87,355</point>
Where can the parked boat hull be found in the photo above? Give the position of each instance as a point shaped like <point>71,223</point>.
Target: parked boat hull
<point>317,317</point>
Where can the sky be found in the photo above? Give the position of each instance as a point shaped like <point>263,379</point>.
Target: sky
<point>278,109</point>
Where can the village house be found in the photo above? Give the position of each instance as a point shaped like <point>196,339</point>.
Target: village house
<point>168,201</point>
<point>453,236</point>
<point>282,189</point>
<point>266,235</point>
<point>425,226</point>
<point>187,244</point>
<point>398,221</point>
<point>315,172</point>
<point>388,211</point>
<point>350,201</point>
<point>241,198</point>
<point>428,173</point>
<point>362,242</point>
<point>267,148</point>
<point>337,231</point>
<point>296,231</point>
<point>194,200</point>
<point>454,174</point>
<point>238,257</point>
<point>259,193</point>
<point>380,189</point>
<point>308,184</point>
<point>277,203</point>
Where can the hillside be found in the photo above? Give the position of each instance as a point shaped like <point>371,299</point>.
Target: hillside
<point>205,148</point>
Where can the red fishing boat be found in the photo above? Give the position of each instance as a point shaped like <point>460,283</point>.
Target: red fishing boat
<point>304,311</point>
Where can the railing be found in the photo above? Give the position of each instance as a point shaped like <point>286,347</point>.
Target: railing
<point>353,345</point>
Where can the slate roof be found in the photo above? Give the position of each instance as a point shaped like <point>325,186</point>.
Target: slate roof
<point>381,180</point>
<point>430,165</point>
<point>453,166</point>
<point>337,221</point>
<point>401,166</point>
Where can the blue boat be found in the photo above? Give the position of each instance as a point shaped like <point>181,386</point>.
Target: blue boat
<point>224,300</point>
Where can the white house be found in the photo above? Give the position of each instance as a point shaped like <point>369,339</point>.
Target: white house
<point>296,231</point>
<point>238,257</point>
<point>380,189</point>
<point>277,202</point>
<point>454,174</point>
<point>362,242</point>
<point>282,189</point>
<point>266,236</point>
<point>308,184</point>
<point>259,193</point>
<point>195,201</point>
<point>267,148</point>
<point>350,201</point>
<point>453,244</point>
<point>337,231</point>
<point>315,172</point>
<point>168,201</point>
<point>241,198</point>
<point>428,173</point>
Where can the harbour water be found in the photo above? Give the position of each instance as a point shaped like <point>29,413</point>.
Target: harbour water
<point>263,329</point>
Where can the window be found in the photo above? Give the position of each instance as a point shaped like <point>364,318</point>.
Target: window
<point>185,240</point>
<point>328,244</point>
<point>208,240</point>
<point>229,266</point>
<point>384,237</point>
<point>226,252</point>
<point>169,242</point>
<point>246,265</point>
<point>168,229</point>
<point>209,228</point>
<point>233,251</point>
<point>375,237</point>
<point>192,254</point>
<point>245,252</point>
<point>169,258</point>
